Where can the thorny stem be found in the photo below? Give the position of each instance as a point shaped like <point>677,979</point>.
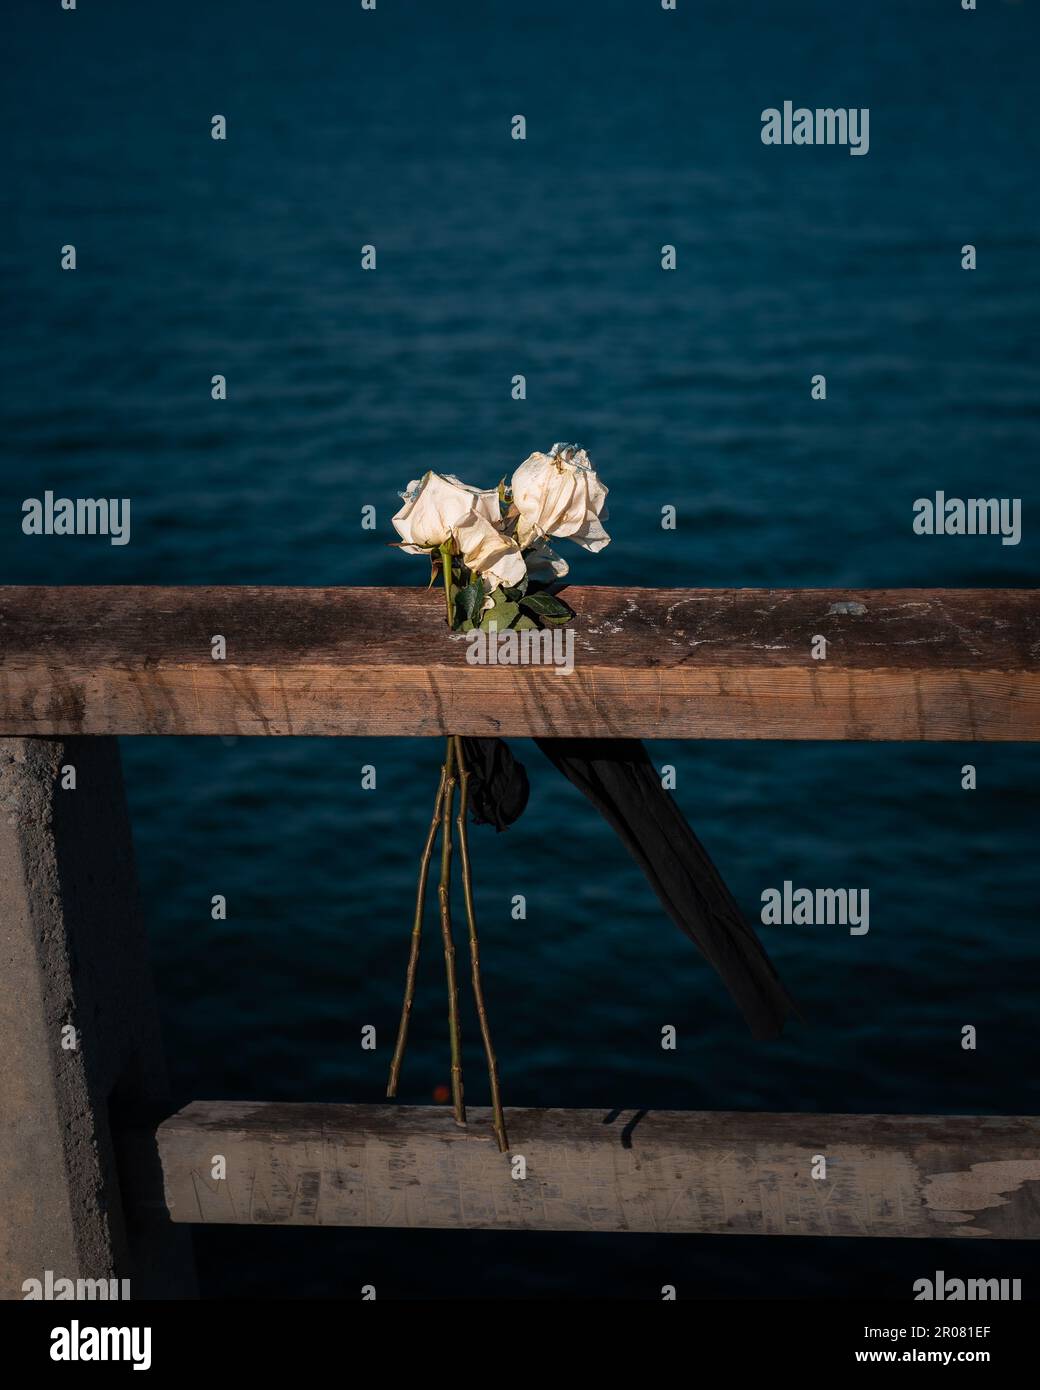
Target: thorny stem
<point>444,898</point>
<point>413,956</point>
<point>474,952</point>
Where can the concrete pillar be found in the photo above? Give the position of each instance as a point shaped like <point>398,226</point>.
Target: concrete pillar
<point>80,1187</point>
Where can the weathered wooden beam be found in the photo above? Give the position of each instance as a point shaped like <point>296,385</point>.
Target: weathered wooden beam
<point>586,1170</point>
<point>665,663</point>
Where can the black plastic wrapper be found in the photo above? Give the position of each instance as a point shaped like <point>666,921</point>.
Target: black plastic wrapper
<point>498,786</point>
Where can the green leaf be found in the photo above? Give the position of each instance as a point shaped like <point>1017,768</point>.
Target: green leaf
<point>515,592</point>
<point>502,615</point>
<point>524,623</point>
<point>470,600</point>
<point>503,611</point>
<point>548,608</point>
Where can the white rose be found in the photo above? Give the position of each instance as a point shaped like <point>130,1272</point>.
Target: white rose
<point>440,509</point>
<point>435,506</point>
<point>559,494</point>
<point>488,552</point>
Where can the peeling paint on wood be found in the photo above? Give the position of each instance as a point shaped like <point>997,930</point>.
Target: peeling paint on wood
<point>964,1196</point>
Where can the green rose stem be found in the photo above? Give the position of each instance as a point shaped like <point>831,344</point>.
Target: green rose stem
<point>446,571</point>
<point>474,950</point>
<point>413,957</point>
<point>444,899</point>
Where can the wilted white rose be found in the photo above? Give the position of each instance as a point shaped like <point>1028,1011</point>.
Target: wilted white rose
<point>435,506</point>
<point>438,509</point>
<point>489,552</point>
<point>559,494</point>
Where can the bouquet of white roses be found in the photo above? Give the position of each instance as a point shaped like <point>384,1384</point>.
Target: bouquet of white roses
<point>490,548</point>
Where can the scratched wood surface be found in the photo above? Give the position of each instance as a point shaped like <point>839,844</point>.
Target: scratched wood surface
<point>590,1170</point>
<point>680,663</point>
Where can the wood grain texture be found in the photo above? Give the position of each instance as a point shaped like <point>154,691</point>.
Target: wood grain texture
<point>588,1170</point>
<point>649,663</point>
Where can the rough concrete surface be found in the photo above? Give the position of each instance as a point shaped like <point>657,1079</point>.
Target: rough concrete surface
<point>78,1171</point>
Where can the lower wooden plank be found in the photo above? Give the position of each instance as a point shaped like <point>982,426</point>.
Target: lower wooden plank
<point>590,1170</point>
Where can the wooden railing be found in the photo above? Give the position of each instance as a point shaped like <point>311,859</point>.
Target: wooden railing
<point>87,1123</point>
<point>648,663</point>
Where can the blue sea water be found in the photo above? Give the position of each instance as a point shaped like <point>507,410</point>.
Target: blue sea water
<point>542,257</point>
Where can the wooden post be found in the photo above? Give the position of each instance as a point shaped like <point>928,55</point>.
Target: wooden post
<point>82,1081</point>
